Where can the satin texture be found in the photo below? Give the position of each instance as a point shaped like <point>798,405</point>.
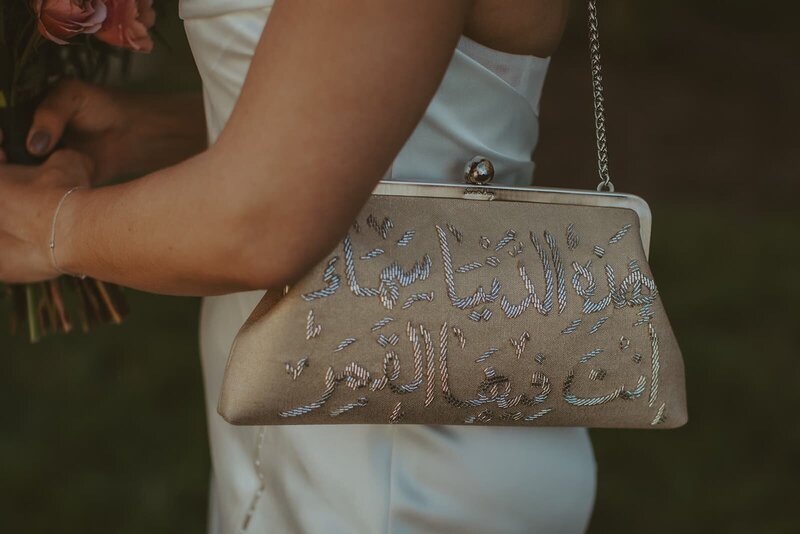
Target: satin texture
<point>403,479</point>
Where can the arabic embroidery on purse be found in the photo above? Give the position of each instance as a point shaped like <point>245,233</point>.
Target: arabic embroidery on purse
<point>471,304</point>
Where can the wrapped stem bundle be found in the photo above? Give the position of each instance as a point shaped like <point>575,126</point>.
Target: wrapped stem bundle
<point>63,304</point>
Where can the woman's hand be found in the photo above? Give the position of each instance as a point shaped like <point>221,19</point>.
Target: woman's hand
<point>28,199</point>
<point>121,133</point>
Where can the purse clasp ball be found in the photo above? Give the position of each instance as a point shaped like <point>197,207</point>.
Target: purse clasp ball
<point>479,171</point>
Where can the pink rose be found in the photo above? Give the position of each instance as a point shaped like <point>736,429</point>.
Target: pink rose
<point>126,24</point>
<point>58,20</point>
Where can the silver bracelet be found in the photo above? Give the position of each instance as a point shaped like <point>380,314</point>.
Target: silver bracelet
<point>53,233</point>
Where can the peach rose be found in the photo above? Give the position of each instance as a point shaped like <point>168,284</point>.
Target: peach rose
<point>127,24</point>
<point>59,20</point>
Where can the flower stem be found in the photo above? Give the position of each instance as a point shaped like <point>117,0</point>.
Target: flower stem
<point>33,323</point>
<point>112,310</point>
<point>20,63</point>
<point>58,301</point>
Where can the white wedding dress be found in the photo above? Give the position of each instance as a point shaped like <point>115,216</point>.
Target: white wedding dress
<point>403,479</point>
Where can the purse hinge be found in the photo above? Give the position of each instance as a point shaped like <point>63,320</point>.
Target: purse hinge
<point>478,193</point>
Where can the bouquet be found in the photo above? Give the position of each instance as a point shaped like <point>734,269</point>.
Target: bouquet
<point>41,42</point>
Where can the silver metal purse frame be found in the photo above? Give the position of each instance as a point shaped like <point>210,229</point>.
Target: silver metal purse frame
<point>542,195</point>
<point>481,190</point>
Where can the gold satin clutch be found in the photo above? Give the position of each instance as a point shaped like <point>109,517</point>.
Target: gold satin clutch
<point>470,304</point>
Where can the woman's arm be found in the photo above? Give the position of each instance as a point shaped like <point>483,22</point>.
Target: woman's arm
<point>333,92</point>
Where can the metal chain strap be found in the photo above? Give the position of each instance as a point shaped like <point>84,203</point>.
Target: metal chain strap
<point>599,110</point>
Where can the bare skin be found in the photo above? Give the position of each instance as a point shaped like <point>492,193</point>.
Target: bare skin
<point>264,203</point>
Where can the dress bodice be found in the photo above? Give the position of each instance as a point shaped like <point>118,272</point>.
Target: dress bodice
<point>487,103</point>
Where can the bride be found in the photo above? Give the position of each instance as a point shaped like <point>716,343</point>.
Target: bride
<point>304,115</point>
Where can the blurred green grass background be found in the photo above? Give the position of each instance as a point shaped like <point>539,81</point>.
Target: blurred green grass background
<point>106,433</point>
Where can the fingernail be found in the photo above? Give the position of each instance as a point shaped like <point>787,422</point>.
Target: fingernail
<point>39,142</point>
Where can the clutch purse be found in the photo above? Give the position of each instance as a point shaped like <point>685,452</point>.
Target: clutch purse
<point>471,304</point>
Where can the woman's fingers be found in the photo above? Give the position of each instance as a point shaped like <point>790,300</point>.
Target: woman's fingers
<point>52,116</point>
<point>71,166</point>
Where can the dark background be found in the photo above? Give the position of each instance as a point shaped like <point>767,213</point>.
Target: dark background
<point>106,433</point>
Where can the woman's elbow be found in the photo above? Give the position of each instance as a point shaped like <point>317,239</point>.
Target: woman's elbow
<point>268,262</point>
<point>279,241</point>
<point>262,268</point>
